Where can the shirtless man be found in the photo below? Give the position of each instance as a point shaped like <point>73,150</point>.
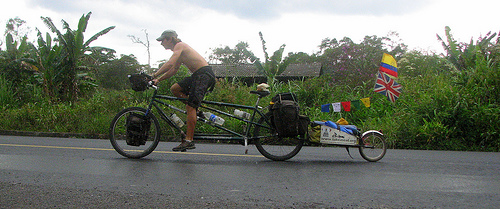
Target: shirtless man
<point>193,88</point>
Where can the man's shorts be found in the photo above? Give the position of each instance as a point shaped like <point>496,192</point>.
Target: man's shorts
<point>197,85</point>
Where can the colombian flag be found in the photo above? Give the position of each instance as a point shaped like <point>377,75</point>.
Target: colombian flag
<point>389,65</point>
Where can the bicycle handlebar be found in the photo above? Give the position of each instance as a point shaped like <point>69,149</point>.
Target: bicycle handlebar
<point>152,85</point>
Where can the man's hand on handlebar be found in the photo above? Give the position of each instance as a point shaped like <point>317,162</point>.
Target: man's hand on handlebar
<point>155,81</point>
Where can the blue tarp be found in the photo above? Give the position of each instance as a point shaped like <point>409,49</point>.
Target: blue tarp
<point>350,129</point>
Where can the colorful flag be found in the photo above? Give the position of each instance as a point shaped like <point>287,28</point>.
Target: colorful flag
<point>346,106</point>
<point>388,87</point>
<point>356,104</point>
<point>325,108</point>
<point>389,65</point>
<point>336,107</point>
<point>366,101</point>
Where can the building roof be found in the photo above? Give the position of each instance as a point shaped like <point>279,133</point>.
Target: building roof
<point>240,70</point>
<point>249,70</point>
<point>302,70</point>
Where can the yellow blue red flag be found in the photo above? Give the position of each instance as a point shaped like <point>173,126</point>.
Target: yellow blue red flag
<point>389,65</point>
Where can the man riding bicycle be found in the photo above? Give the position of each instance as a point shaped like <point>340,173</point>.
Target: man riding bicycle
<point>193,87</point>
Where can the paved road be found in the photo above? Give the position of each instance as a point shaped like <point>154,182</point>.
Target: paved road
<point>39,172</point>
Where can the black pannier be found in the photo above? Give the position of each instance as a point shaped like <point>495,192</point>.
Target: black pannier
<point>285,96</point>
<point>286,115</point>
<point>139,82</point>
<point>137,129</point>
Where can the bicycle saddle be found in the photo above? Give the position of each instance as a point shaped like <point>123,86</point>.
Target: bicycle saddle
<point>261,93</point>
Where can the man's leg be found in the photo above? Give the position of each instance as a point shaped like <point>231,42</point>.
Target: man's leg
<point>176,89</point>
<point>191,122</point>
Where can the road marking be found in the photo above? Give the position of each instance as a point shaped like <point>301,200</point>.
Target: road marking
<point>54,147</point>
<point>207,154</point>
<point>107,149</point>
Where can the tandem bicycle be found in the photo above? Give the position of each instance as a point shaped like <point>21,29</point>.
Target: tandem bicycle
<point>257,123</point>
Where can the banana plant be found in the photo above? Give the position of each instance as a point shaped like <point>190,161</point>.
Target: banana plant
<point>49,59</point>
<point>61,64</point>
<point>15,62</point>
<point>273,66</point>
<point>462,55</point>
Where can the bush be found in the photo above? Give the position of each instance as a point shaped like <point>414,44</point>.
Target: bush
<point>7,96</point>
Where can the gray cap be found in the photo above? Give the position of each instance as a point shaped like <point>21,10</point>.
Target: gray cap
<point>167,34</point>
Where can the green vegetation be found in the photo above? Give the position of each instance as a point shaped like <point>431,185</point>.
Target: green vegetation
<point>449,102</point>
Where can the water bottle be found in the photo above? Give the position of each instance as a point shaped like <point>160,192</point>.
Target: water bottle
<point>214,118</point>
<point>178,121</point>
<point>242,114</point>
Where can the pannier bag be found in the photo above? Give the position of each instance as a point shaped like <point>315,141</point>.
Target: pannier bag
<point>304,123</point>
<point>285,96</point>
<point>285,115</point>
<point>139,82</point>
<point>137,129</point>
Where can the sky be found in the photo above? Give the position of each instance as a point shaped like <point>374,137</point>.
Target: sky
<point>300,24</point>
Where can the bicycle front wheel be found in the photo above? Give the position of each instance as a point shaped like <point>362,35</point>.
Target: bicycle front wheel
<point>373,147</point>
<point>121,141</point>
<point>273,146</point>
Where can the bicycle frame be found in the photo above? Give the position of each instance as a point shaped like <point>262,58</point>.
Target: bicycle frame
<point>233,135</point>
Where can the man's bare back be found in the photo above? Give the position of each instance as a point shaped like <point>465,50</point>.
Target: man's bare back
<point>183,54</point>
<point>189,57</point>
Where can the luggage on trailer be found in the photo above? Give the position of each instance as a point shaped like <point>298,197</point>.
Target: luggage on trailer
<point>333,133</point>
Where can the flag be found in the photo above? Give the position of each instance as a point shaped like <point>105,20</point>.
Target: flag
<point>346,106</point>
<point>356,104</point>
<point>366,101</point>
<point>388,87</point>
<point>336,107</point>
<point>325,108</point>
<point>389,65</point>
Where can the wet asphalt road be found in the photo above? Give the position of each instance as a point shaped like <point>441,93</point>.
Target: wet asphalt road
<point>41,172</point>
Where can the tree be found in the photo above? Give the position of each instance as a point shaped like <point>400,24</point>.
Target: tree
<point>145,44</point>
<point>229,56</point>
<point>15,65</point>
<point>300,57</point>
<point>61,65</point>
<point>17,28</point>
<point>353,63</point>
<point>113,74</point>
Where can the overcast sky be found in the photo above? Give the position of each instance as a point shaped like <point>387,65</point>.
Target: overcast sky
<point>300,24</point>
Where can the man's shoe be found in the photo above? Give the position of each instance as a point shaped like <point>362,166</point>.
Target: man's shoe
<point>185,145</point>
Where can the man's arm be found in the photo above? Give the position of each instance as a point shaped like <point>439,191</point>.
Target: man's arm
<point>171,67</point>
<point>168,74</point>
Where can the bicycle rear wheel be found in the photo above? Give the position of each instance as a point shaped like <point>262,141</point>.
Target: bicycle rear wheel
<point>118,134</point>
<point>273,146</point>
<point>373,147</point>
